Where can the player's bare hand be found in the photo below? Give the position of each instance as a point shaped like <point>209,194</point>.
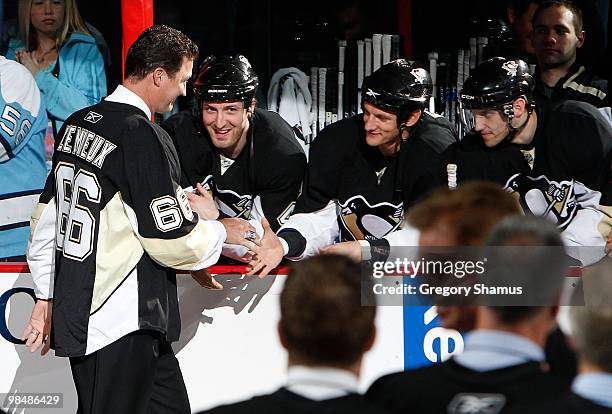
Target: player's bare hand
<point>206,280</point>
<point>609,245</point>
<point>203,203</point>
<point>241,232</point>
<point>269,255</point>
<point>38,329</point>
<point>350,249</point>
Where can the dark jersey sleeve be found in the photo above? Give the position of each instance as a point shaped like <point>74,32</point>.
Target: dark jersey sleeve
<point>282,188</point>
<point>280,165</point>
<point>579,143</point>
<point>423,170</point>
<point>475,161</point>
<point>327,157</point>
<point>193,149</point>
<point>163,220</point>
<point>423,160</point>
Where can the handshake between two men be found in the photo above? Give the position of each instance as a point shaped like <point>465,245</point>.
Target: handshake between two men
<point>263,253</point>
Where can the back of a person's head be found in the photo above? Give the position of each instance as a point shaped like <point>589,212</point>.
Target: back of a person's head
<point>322,319</point>
<point>159,46</point>
<point>591,324</point>
<point>470,210</point>
<point>526,251</point>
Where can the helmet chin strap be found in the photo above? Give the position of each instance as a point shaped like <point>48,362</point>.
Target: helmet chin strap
<point>508,110</point>
<point>403,127</point>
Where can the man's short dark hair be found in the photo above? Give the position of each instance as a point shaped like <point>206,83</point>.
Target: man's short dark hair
<point>568,4</point>
<point>322,318</point>
<point>159,47</point>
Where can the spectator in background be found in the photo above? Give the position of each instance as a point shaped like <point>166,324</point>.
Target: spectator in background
<point>22,156</point>
<point>502,365</point>
<point>55,45</point>
<point>326,333</point>
<point>519,14</point>
<point>558,33</point>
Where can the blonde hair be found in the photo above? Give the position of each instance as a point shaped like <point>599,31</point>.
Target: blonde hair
<point>72,23</point>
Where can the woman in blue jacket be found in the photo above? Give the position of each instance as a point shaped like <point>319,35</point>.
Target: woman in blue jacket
<point>54,44</point>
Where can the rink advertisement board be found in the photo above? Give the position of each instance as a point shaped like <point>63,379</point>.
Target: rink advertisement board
<point>228,350</point>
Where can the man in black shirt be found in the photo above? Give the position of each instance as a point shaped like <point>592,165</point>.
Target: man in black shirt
<point>502,365</point>
<point>326,333</point>
<point>249,158</point>
<point>365,170</point>
<point>568,148</point>
<point>591,328</point>
<point>111,226</point>
<point>557,34</point>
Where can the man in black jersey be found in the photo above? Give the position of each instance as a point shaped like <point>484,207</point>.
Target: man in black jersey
<point>110,227</point>
<point>326,333</point>
<point>502,365</point>
<point>248,157</point>
<point>566,174</point>
<point>365,170</point>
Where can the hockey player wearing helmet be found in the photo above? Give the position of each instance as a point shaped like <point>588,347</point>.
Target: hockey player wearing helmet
<point>248,157</point>
<point>568,146</point>
<point>364,170</point>
<point>570,140</point>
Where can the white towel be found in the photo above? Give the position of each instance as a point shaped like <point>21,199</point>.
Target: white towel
<point>295,102</point>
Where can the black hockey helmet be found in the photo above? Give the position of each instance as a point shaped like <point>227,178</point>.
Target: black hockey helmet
<point>226,79</point>
<point>496,82</point>
<point>398,87</point>
<point>500,39</point>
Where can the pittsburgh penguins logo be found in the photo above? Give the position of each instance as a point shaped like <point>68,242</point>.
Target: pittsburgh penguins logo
<point>542,197</point>
<point>511,67</point>
<point>229,202</point>
<point>359,220</point>
<point>234,204</point>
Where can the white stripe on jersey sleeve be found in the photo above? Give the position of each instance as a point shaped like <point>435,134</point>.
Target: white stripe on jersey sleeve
<point>319,228</point>
<point>18,85</point>
<point>41,249</point>
<point>198,249</point>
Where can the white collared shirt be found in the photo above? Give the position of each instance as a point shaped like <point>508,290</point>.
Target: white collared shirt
<point>126,96</point>
<point>595,387</point>
<point>486,350</point>
<point>320,383</point>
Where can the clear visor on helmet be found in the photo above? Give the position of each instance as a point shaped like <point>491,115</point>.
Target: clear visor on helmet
<point>466,116</point>
<point>469,117</point>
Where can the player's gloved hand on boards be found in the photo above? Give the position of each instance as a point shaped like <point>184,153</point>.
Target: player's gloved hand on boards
<point>269,255</point>
<point>38,329</point>
<point>206,280</point>
<point>203,203</point>
<point>350,249</point>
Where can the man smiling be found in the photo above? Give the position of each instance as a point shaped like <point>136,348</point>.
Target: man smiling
<point>249,158</point>
<point>365,170</point>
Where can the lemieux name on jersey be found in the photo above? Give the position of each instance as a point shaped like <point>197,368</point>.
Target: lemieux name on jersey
<point>86,145</point>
